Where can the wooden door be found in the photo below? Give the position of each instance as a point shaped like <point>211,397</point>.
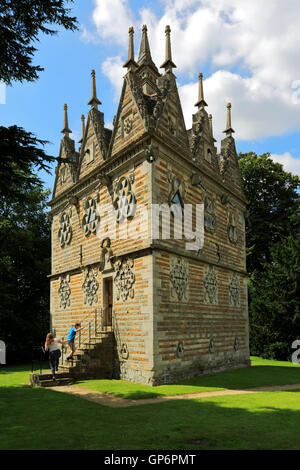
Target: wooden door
<point>108,301</point>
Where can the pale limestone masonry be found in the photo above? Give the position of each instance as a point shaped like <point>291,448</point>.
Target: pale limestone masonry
<point>174,313</point>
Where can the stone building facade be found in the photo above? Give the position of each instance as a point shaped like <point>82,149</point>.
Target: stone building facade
<point>174,312</point>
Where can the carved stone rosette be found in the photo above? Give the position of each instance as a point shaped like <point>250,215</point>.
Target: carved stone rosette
<point>124,199</point>
<point>64,291</point>
<point>179,279</point>
<point>91,219</point>
<point>65,230</point>
<point>211,286</point>
<point>124,279</point>
<point>90,286</point>
<point>234,291</point>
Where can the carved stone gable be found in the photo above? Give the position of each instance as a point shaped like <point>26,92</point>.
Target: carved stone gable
<point>179,279</point>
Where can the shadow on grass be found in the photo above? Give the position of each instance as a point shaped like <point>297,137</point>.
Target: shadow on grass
<point>34,418</point>
<point>244,378</point>
<point>24,368</point>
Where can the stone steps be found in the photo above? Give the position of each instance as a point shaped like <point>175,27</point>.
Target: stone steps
<point>94,359</point>
<point>46,380</point>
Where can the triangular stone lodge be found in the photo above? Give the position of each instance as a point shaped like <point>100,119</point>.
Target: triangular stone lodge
<point>172,312</point>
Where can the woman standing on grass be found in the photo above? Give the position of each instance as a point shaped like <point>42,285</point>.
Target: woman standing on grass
<point>51,345</point>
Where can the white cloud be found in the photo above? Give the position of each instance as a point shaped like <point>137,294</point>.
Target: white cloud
<point>252,49</point>
<point>112,19</point>
<point>289,162</point>
<point>113,69</point>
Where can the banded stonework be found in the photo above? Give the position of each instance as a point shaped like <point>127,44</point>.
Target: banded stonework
<point>173,311</point>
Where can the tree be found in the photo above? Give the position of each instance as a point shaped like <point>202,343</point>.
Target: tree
<point>24,227</point>
<point>273,246</point>
<point>275,298</point>
<point>24,266</point>
<point>272,196</point>
<point>20,158</point>
<point>21,22</point>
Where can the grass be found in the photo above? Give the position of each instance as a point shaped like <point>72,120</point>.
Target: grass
<point>43,419</point>
<point>262,373</point>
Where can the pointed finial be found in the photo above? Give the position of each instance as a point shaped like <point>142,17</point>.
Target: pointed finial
<point>130,62</point>
<point>145,54</point>
<point>201,102</point>
<point>228,131</point>
<point>66,131</point>
<point>211,127</point>
<point>94,100</point>
<point>82,128</point>
<point>168,63</point>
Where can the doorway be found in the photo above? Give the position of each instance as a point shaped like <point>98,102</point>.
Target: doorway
<point>107,301</point>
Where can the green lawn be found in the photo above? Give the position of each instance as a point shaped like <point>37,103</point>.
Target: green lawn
<point>36,418</point>
<point>262,373</point>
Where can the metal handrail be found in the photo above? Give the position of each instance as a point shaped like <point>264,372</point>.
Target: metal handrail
<point>87,330</point>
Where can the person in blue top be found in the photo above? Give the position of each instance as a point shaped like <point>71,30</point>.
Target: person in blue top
<point>71,340</point>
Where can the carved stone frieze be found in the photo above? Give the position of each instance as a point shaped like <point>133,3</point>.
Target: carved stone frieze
<point>124,279</point>
<point>179,278</point>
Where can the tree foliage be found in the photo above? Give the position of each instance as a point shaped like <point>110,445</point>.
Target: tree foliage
<point>24,266</point>
<point>21,157</point>
<point>273,244</point>
<point>21,22</point>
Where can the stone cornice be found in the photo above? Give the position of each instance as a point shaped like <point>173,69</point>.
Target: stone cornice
<point>156,246</point>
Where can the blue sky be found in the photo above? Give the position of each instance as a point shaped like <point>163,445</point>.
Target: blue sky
<point>235,49</point>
